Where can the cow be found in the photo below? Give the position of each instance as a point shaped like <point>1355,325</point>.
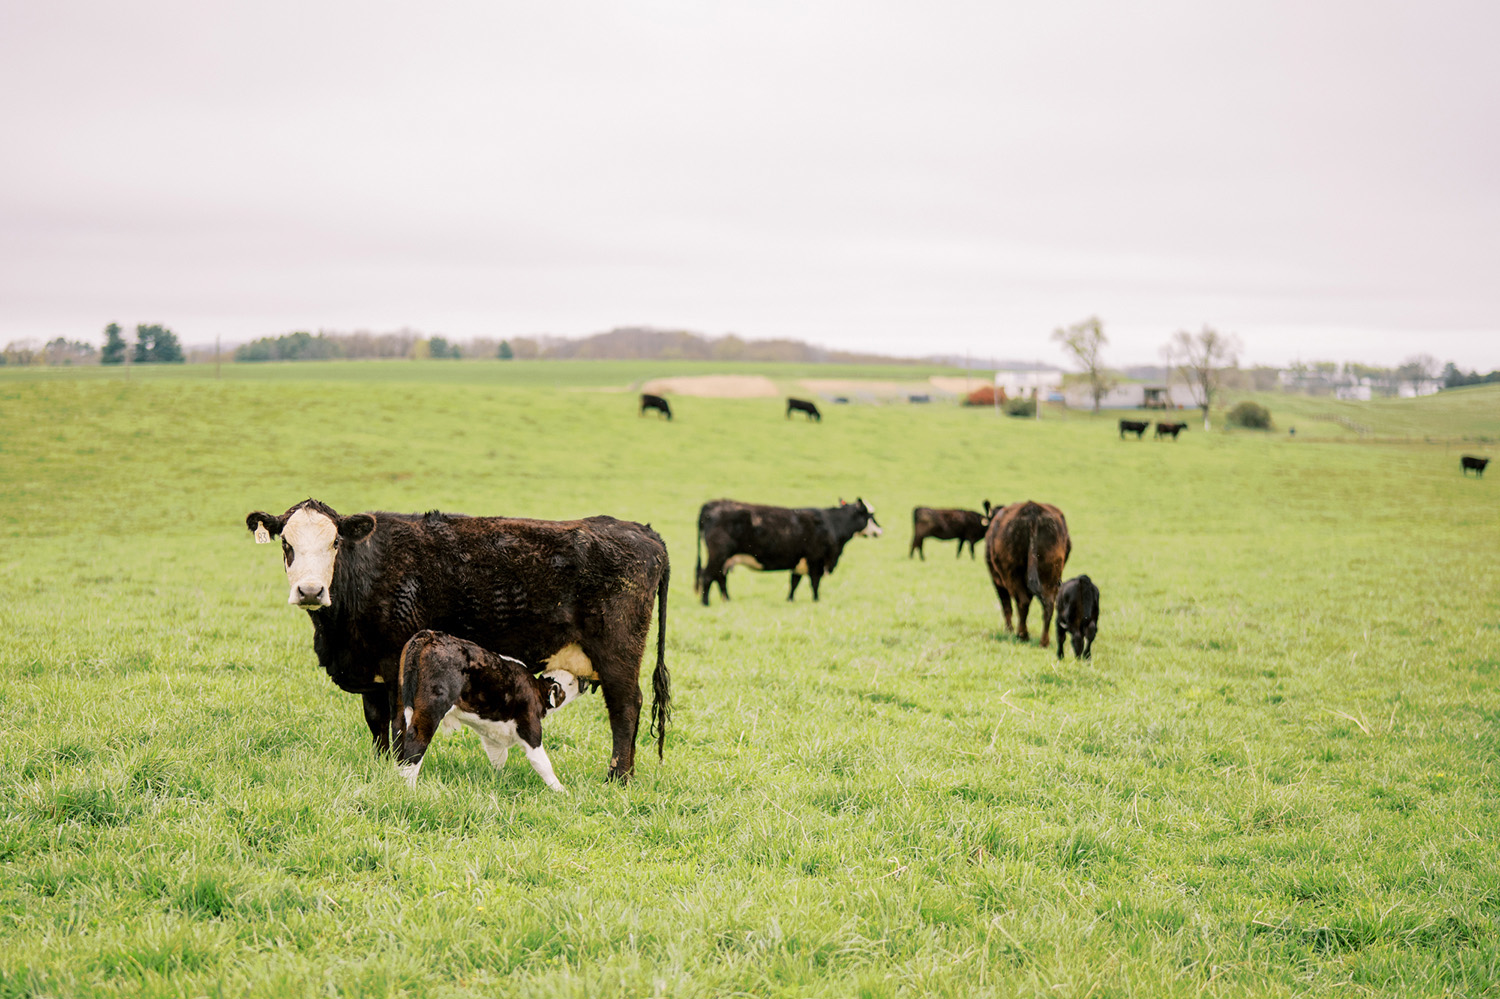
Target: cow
<point>774,538</point>
<point>1168,430</point>
<point>656,402</point>
<point>918,398</point>
<point>1137,427</point>
<point>1469,461</point>
<point>1025,548</point>
<point>1078,616</point>
<point>450,682</point>
<point>803,406</point>
<point>947,524</point>
<point>573,595</point>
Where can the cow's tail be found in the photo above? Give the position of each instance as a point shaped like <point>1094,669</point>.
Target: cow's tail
<point>661,680</point>
<point>1033,578</point>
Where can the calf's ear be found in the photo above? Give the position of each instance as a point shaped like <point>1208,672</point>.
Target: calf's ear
<point>356,527</point>
<point>260,521</point>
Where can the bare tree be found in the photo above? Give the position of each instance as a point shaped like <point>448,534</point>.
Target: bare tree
<point>1085,341</point>
<point>1198,359</point>
<point>1416,370</point>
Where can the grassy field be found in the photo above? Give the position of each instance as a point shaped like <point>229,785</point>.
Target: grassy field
<point>1277,776</point>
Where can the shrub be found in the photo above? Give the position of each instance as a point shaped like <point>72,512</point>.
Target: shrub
<point>1251,415</point>
<point>1020,407</point>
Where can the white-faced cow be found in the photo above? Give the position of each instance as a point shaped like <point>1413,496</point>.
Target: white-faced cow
<point>947,524</point>
<point>569,595</point>
<point>807,541</point>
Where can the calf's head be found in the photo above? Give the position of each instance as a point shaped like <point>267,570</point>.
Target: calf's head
<point>311,535</point>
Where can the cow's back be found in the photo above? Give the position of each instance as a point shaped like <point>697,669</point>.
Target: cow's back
<point>1020,529</point>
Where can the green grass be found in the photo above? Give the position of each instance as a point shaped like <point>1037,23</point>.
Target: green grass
<point>1276,777</point>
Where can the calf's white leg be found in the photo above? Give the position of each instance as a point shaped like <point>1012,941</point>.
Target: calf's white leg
<point>537,757</point>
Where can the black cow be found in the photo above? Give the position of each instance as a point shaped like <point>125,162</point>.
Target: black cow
<point>1078,615</point>
<point>573,595</point>
<point>947,524</point>
<point>448,682</point>
<point>1168,430</point>
<point>1469,461</point>
<point>919,398</point>
<point>1137,427</point>
<point>803,406</point>
<point>656,402</point>
<point>807,541</point>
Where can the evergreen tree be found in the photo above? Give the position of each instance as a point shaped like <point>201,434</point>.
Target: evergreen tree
<point>114,346</point>
<point>505,352</point>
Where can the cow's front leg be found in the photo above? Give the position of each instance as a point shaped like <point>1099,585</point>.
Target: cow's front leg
<point>813,580</point>
<point>796,578</point>
<point>378,715</point>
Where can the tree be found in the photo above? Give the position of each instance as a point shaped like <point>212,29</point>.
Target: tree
<point>114,346</point>
<point>155,344</point>
<point>1085,341</point>
<point>1198,358</point>
<point>1417,369</point>
<point>505,352</point>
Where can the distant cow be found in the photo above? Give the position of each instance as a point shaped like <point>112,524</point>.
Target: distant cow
<point>1078,616</point>
<point>656,402</point>
<point>1137,427</point>
<point>1169,430</point>
<point>947,524</point>
<point>803,406</point>
<point>1469,461</point>
<point>573,595</point>
<point>919,398</point>
<point>1026,546</point>
<point>807,541</point>
<point>449,681</point>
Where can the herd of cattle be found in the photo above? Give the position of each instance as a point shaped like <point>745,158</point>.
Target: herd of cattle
<point>439,620</point>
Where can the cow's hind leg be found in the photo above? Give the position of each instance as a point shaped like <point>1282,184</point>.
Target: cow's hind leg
<point>1048,600</point>
<point>1023,608</point>
<point>1004,595</point>
<point>813,580</point>
<point>796,578</point>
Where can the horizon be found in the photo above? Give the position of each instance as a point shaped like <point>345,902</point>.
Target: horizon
<point>1323,183</point>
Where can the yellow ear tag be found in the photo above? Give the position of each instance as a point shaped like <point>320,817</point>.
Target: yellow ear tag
<point>262,536</point>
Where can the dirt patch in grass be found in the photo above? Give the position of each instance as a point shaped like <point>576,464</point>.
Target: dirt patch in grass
<point>714,386</point>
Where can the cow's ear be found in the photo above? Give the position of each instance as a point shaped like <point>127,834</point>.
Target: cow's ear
<point>261,521</point>
<point>356,527</point>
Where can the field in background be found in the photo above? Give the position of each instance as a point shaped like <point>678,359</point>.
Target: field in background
<point>1276,777</point>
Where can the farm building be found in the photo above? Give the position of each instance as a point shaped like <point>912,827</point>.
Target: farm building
<point>1131,395</point>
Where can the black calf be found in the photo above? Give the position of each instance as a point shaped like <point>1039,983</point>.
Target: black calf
<point>803,406</point>
<point>656,402</point>
<point>1078,615</point>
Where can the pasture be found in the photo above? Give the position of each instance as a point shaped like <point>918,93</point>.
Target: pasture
<point>1276,777</point>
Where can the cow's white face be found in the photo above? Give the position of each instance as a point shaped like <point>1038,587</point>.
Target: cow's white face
<point>871,529</point>
<point>569,685</point>
<point>310,543</point>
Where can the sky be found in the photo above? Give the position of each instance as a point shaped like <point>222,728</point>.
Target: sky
<point>1320,179</point>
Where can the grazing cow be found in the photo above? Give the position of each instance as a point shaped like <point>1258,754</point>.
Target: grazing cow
<point>1469,461</point>
<point>1078,616</point>
<point>1137,427</point>
<point>1026,546</point>
<point>1169,430</point>
<point>947,524</point>
<point>803,406</point>
<point>571,595</point>
<point>773,538</point>
<point>919,398</point>
<point>656,402</point>
<point>450,682</point>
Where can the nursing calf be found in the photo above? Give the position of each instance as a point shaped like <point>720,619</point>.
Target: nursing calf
<point>450,682</point>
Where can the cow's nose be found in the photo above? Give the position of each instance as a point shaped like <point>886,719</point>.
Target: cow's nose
<point>310,593</point>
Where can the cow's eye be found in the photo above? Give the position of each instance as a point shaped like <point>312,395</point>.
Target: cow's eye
<point>286,552</point>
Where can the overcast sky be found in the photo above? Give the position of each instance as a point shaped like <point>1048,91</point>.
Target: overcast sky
<point>1321,179</point>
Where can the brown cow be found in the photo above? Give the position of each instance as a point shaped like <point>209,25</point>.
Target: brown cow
<point>947,524</point>
<point>1025,548</point>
